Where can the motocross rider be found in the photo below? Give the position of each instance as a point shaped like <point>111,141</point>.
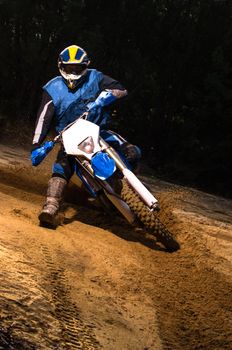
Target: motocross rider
<point>65,98</point>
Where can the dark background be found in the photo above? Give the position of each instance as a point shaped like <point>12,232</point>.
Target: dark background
<point>173,56</point>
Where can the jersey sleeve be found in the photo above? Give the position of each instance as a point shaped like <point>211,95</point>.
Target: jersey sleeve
<point>110,83</point>
<point>44,118</point>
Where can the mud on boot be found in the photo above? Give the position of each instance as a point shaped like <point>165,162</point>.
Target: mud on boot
<point>50,216</point>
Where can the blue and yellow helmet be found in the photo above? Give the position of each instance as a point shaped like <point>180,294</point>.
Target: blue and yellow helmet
<point>72,63</point>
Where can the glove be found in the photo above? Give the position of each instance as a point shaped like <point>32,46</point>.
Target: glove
<point>38,154</point>
<point>104,99</point>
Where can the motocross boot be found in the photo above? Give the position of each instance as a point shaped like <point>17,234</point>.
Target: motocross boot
<point>55,192</point>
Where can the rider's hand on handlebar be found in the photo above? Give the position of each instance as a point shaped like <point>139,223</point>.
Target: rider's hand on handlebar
<point>38,154</point>
<point>104,99</point>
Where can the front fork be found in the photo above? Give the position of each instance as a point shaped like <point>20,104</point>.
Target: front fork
<point>135,183</point>
<point>122,207</point>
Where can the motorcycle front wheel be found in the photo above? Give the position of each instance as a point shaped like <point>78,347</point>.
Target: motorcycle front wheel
<point>148,218</point>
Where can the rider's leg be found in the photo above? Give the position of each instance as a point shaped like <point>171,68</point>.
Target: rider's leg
<point>132,153</point>
<point>62,171</point>
<point>55,194</point>
<point>129,152</point>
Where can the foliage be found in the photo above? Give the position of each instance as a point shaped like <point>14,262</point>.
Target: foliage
<point>174,56</point>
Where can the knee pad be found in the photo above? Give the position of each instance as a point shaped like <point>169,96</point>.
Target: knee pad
<point>131,152</point>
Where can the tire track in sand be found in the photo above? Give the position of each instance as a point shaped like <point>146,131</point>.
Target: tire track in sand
<point>76,334</point>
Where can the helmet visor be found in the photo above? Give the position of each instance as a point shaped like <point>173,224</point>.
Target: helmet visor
<point>75,69</point>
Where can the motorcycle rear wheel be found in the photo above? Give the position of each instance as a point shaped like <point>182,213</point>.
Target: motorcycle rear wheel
<point>148,218</point>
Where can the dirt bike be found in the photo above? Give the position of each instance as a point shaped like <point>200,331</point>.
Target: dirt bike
<point>106,177</point>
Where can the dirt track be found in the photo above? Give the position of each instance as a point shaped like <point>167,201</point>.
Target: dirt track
<point>94,283</point>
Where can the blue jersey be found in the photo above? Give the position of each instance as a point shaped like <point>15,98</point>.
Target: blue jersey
<point>63,106</point>
<point>70,105</point>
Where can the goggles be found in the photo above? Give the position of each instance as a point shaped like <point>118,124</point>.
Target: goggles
<point>76,69</point>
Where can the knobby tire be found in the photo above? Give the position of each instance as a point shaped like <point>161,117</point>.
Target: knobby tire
<point>148,218</point>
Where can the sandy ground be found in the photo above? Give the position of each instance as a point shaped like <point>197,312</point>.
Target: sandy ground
<point>96,283</point>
